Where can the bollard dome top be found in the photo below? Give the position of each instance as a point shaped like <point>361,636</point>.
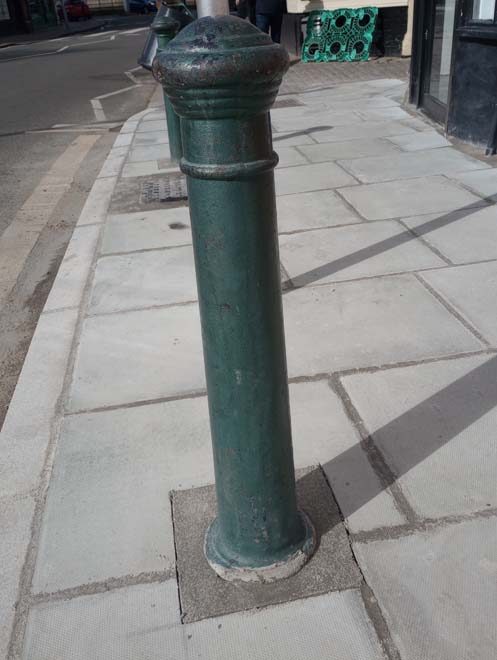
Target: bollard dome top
<point>221,67</point>
<point>165,25</point>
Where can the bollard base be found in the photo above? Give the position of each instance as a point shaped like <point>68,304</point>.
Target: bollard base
<point>228,569</point>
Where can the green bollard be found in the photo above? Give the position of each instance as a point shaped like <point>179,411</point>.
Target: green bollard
<point>166,28</point>
<point>222,76</point>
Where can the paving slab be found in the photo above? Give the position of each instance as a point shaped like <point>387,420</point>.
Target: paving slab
<point>137,356</point>
<point>299,121</point>
<point>158,125</point>
<point>461,236</point>
<point>381,114</point>
<point>396,199</point>
<point>345,253</point>
<point>368,323</point>
<point>148,167</point>
<point>432,423</point>
<point>420,141</point>
<point>148,152</point>
<point>151,138</point>
<point>16,516</point>
<point>291,139</point>
<point>321,153</point>
<point>141,621</point>
<point>361,131</point>
<point>438,590</point>
<point>311,210</point>
<point>471,289</point>
<point>334,626</point>
<point>97,204</point>
<point>483,182</point>
<point>412,164</point>
<point>305,178</point>
<point>204,595</point>
<point>128,232</point>
<point>143,279</point>
<point>289,156</point>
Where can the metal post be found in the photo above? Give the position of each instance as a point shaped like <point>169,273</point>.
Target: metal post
<point>166,28</point>
<point>222,76</point>
<point>212,8</point>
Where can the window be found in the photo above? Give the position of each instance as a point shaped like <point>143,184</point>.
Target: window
<point>483,10</point>
<point>4,11</point>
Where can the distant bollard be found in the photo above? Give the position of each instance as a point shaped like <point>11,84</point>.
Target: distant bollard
<point>222,76</point>
<point>166,28</point>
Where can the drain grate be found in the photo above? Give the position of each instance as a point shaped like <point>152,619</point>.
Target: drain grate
<point>171,188</point>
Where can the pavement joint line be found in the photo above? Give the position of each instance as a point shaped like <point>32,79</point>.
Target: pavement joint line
<point>176,567</point>
<point>57,310</point>
<point>125,253</point>
<point>184,303</point>
<point>376,617</point>
<point>452,310</point>
<point>422,525</point>
<point>92,588</point>
<point>426,243</point>
<point>388,479</point>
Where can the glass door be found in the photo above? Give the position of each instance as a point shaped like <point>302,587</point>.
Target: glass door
<point>438,40</point>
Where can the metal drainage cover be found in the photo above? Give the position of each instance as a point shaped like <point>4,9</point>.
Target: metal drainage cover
<point>171,188</point>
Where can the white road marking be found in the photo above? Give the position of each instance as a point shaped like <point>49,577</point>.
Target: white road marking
<point>96,103</point>
<point>135,31</point>
<point>131,75</point>
<point>113,37</point>
<point>21,235</point>
<point>62,49</point>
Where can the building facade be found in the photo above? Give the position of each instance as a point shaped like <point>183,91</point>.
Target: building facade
<point>454,67</point>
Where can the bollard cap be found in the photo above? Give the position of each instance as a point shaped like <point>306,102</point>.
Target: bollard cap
<point>165,26</point>
<point>221,67</point>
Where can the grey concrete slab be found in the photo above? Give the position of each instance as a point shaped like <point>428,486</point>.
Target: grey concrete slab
<point>137,356</point>
<point>152,126</point>
<point>305,178</point>
<point>27,429</point>
<point>462,236</point>
<point>483,183</point>
<point>204,595</point>
<point>432,423</point>
<point>148,167</point>
<point>412,164</point>
<point>420,141</point>
<point>361,131</point>
<point>289,156</point>
<point>151,138</point>
<point>311,210</point>
<point>141,621</point>
<point>128,232</point>
<point>437,590</point>
<point>67,290</point>
<point>472,290</point>
<point>16,516</point>
<point>143,279</point>
<point>291,139</point>
<point>382,114</point>
<point>393,199</point>
<point>345,253</point>
<point>148,152</point>
<point>320,153</point>
<point>97,203</point>
<point>368,323</point>
<point>299,121</point>
<point>334,626</point>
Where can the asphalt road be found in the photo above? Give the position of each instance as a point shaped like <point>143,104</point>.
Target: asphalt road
<point>48,105</point>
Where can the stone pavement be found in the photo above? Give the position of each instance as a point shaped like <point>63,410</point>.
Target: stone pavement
<point>388,238</point>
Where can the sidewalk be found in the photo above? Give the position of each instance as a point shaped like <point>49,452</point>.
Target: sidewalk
<point>388,239</point>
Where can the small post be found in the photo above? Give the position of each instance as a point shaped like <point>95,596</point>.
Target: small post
<point>222,75</point>
<point>166,28</point>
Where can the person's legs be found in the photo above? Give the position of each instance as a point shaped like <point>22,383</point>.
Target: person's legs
<point>276,21</point>
<point>263,21</point>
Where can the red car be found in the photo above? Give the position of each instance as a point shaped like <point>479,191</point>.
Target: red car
<point>75,9</point>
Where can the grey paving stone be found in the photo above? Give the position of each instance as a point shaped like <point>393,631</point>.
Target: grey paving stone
<point>472,290</point>
<point>344,253</point>
<point>291,139</point>
<point>407,197</point>
<point>112,166</point>
<point>151,138</point>
<point>483,182</point>
<point>368,323</point>
<point>462,236</point>
<point>137,356</point>
<point>299,121</point>
<point>407,165</point>
<point>289,156</point>
<point>16,516</point>
<point>152,126</point>
<point>143,279</point>
<point>27,428</point>
<point>127,232</point>
<point>420,141</point>
<point>438,590</point>
<point>361,131</point>
<point>147,167</point>
<point>311,210</point>
<point>320,153</point>
<point>381,114</point>
<point>67,290</point>
<point>305,178</point>
<point>204,595</point>
<point>334,626</point>
<point>97,202</point>
<point>148,152</point>
<point>432,424</point>
<point>125,624</point>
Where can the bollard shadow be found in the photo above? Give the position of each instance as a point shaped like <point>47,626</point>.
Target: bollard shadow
<point>314,129</point>
<point>376,249</point>
<point>412,437</point>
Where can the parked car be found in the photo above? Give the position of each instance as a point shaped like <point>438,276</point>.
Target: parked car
<point>142,6</point>
<point>75,9</point>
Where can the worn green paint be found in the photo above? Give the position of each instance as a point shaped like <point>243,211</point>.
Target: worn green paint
<point>166,28</point>
<point>222,76</point>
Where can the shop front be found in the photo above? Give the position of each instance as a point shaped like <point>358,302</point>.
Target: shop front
<point>454,67</point>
